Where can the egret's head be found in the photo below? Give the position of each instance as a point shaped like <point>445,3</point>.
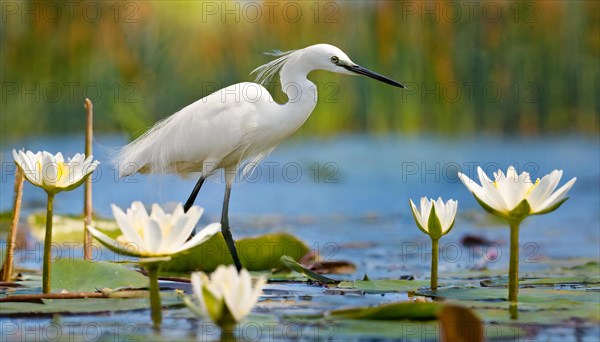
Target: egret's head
<point>330,58</point>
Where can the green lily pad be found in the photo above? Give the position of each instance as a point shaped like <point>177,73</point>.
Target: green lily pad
<point>384,285</point>
<point>286,277</point>
<point>392,311</point>
<point>501,294</point>
<point>591,267</point>
<point>541,314</point>
<point>355,329</point>
<point>78,275</point>
<point>550,281</point>
<point>256,254</point>
<point>84,305</point>
<point>290,263</point>
<point>410,331</point>
<point>67,228</point>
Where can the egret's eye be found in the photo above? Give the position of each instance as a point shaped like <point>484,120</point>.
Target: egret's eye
<point>335,59</point>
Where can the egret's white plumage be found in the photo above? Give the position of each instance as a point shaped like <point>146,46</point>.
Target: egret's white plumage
<point>237,123</point>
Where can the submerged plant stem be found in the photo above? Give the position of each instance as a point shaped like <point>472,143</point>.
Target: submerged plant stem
<point>155,296</point>
<point>434,263</point>
<point>513,268</point>
<point>47,245</point>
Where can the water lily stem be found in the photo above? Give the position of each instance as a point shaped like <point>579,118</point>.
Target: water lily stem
<point>513,268</point>
<point>434,263</point>
<point>47,245</point>
<point>87,204</point>
<point>227,332</point>
<point>12,236</point>
<point>154,295</point>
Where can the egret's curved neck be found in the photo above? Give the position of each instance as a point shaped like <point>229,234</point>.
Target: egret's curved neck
<point>301,93</point>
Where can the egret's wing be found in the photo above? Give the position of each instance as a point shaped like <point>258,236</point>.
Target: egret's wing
<point>197,137</point>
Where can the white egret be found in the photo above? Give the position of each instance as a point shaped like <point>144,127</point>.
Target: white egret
<point>238,123</point>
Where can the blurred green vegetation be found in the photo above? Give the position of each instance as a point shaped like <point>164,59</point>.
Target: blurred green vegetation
<point>499,67</point>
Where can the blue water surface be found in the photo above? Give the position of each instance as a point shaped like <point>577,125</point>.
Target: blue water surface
<point>344,194</point>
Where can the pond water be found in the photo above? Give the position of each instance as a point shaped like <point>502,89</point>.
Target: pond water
<point>347,197</point>
<point>355,189</point>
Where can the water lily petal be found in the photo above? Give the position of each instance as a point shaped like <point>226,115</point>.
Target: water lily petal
<point>178,211</point>
<point>201,236</point>
<point>129,233</point>
<point>417,216</point>
<point>426,206</point>
<point>49,171</point>
<point>184,225</point>
<point>226,288</point>
<point>138,216</point>
<point>198,280</point>
<point>514,187</point>
<point>447,214</point>
<point>557,196</point>
<point>543,189</point>
<point>101,236</point>
<point>58,158</point>
<point>113,245</point>
<point>491,194</point>
<point>32,167</point>
<point>88,166</point>
<point>17,158</point>
<point>153,238</point>
<point>157,212</point>
<point>77,159</point>
<point>478,191</point>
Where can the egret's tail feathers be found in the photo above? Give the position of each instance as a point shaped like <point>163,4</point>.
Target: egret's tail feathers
<point>252,164</point>
<point>150,153</point>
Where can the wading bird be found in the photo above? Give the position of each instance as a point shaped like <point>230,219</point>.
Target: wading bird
<point>238,123</point>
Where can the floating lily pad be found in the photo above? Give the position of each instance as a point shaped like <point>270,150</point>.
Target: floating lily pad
<point>84,305</point>
<point>256,254</point>
<point>355,329</point>
<point>501,294</point>
<point>539,306</point>
<point>551,281</point>
<point>69,228</point>
<point>286,277</point>
<point>392,311</point>
<point>591,267</point>
<point>384,285</point>
<point>78,275</point>
<point>290,263</point>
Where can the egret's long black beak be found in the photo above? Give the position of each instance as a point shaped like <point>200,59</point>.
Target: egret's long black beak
<point>364,71</point>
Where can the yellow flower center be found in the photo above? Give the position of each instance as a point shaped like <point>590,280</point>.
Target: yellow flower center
<point>530,189</point>
<point>61,170</point>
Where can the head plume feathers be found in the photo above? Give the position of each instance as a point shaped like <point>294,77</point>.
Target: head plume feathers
<point>265,72</point>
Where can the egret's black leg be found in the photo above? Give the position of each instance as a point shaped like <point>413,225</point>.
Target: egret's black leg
<point>193,195</point>
<point>225,228</point>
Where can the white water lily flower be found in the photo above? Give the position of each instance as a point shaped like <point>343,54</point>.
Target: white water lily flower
<point>227,296</point>
<point>52,172</point>
<point>435,218</point>
<point>157,234</point>
<point>515,196</point>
